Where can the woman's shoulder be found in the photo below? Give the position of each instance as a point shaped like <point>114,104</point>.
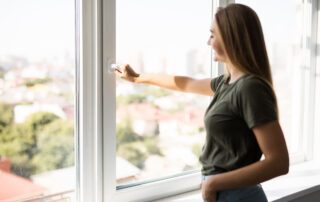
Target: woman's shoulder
<point>216,82</point>
<point>218,79</point>
<point>252,83</point>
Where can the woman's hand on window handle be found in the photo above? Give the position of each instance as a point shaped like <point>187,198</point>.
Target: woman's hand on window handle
<point>126,72</point>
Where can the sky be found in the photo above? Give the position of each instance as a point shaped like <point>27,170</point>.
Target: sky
<point>43,28</point>
<point>36,28</point>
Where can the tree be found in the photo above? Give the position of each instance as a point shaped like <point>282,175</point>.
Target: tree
<point>32,82</point>
<point>30,129</point>
<point>129,99</point>
<point>55,146</point>
<point>133,153</point>
<point>43,142</point>
<point>125,133</point>
<point>135,148</point>
<point>6,118</point>
<point>151,145</point>
<point>150,94</point>
<point>158,92</point>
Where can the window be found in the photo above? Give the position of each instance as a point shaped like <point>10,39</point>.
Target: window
<point>37,90</point>
<point>286,44</point>
<point>168,37</point>
<point>160,132</point>
<point>105,34</point>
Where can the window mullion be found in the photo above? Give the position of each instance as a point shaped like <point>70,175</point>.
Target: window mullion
<point>316,73</point>
<point>310,37</point>
<point>218,67</point>
<point>90,99</point>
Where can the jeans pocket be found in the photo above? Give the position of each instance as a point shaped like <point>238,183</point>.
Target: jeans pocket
<point>256,195</point>
<point>221,197</point>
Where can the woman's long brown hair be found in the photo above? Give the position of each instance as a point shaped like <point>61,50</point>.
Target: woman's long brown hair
<point>243,41</point>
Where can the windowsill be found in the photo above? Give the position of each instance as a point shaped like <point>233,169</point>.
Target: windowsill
<point>301,176</point>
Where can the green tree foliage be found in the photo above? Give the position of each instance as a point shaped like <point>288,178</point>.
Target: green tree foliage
<point>20,165</point>
<point>150,94</point>
<point>2,72</point>
<point>30,129</point>
<point>55,146</point>
<point>32,82</point>
<point>135,148</point>
<point>158,92</point>
<point>129,99</point>
<point>150,144</point>
<point>133,153</point>
<point>131,146</point>
<point>43,142</point>
<point>125,133</point>
<point>6,115</point>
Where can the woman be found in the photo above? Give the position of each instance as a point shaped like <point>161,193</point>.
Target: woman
<point>242,120</point>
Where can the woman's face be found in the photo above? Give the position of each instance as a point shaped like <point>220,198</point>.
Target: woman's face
<point>215,42</point>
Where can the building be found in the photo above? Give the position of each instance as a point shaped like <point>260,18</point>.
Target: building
<point>16,188</point>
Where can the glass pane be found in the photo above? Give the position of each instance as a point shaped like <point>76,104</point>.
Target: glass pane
<point>283,40</point>
<point>37,100</point>
<point>160,132</point>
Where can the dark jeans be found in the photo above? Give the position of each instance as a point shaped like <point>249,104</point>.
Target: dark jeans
<point>246,194</point>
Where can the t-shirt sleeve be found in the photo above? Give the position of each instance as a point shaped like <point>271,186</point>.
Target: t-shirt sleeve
<point>215,82</point>
<point>257,103</point>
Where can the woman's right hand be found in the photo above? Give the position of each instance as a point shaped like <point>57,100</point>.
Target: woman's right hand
<point>127,73</point>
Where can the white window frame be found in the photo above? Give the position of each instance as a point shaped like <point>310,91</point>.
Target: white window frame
<point>96,108</point>
<point>310,47</point>
<point>316,111</point>
<point>218,67</point>
<point>89,155</point>
<point>308,129</point>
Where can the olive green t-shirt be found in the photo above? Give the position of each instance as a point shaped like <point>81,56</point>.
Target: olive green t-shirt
<point>235,109</point>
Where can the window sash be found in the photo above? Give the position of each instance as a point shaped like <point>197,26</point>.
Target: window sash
<point>143,192</point>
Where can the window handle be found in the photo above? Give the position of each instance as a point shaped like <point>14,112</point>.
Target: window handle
<point>111,66</point>
<point>115,67</point>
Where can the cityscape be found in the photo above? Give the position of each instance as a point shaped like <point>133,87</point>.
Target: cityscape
<point>159,132</point>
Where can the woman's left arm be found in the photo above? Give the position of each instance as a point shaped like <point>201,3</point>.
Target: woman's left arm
<point>272,144</point>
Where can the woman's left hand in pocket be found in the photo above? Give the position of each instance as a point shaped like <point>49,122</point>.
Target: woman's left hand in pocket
<point>208,193</point>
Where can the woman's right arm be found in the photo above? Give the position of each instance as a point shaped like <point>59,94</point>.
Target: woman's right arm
<point>178,83</point>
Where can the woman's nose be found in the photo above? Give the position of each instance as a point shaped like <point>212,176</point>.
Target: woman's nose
<point>208,42</point>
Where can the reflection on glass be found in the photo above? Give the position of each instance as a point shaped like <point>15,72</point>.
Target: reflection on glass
<point>37,100</point>
<point>283,40</point>
<point>160,132</point>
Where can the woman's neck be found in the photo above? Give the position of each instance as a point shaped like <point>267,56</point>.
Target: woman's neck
<point>235,74</point>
